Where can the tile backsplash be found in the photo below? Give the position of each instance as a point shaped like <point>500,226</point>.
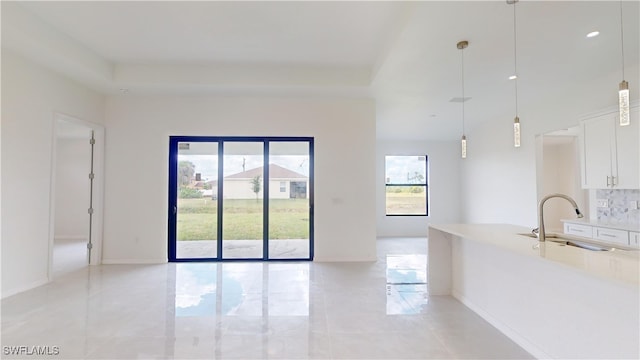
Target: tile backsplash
<point>619,208</point>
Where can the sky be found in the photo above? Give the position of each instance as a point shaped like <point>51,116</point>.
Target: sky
<point>398,168</point>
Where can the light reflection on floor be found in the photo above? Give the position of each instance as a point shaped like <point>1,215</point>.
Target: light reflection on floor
<point>406,284</point>
<point>242,289</point>
<point>196,290</point>
<point>244,286</point>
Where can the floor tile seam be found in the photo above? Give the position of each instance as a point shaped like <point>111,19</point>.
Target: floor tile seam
<point>440,340</point>
<point>326,323</point>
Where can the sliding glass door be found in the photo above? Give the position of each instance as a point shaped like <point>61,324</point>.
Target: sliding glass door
<point>289,200</point>
<point>240,198</point>
<point>243,200</point>
<point>194,206</point>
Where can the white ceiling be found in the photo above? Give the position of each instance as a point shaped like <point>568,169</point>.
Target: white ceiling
<point>403,54</point>
<point>179,32</point>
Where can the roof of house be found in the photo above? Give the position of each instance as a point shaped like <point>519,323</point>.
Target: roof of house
<point>275,172</point>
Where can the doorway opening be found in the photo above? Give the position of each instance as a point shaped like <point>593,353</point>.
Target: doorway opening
<point>74,195</point>
<point>240,198</point>
<point>559,172</point>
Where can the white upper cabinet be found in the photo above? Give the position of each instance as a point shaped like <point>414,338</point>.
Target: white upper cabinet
<point>597,141</point>
<point>628,152</point>
<point>610,153</point>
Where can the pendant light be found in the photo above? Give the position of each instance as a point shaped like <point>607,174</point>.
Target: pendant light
<point>463,143</point>
<point>623,91</point>
<point>514,77</point>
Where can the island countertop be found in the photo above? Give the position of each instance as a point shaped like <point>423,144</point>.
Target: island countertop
<point>556,301</point>
<point>618,265</point>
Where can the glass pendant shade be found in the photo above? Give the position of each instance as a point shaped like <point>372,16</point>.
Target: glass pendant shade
<point>516,119</point>
<point>623,91</point>
<point>463,144</point>
<point>516,132</point>
<point>623,99</point>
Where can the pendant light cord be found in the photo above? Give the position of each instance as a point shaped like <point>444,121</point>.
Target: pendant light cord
<point>515,55</point>
<point>463,91</point>
<point>622,38</point>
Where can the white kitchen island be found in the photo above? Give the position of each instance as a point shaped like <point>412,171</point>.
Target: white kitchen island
<point>555,301</point>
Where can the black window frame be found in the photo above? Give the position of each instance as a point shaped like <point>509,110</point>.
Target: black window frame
<point>426,185</point>
<point>174,140</point>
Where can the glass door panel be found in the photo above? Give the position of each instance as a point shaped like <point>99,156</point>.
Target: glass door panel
<point>197,206</point>
<point>240,198</point>
<point>289,189</point>
<point>243,200</point>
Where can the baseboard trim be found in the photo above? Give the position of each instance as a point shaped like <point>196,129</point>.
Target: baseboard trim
<point>133,261</point>
<point>506,330</point>
<point>32,285</point>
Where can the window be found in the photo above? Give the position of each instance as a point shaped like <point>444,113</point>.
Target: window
<point>236,210</point>
<point>406,185</point>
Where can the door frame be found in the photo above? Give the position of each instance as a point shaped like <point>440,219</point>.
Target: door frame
<point>220,140</point>
<point>98,187</point>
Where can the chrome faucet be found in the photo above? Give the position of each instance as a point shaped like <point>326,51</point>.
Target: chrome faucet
<point>541,234</point>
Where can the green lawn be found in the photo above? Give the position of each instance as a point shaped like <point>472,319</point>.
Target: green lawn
<point>197,219</point>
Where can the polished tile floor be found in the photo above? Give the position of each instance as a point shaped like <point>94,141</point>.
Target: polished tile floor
<point>251,310</point>
<point>69,255</point>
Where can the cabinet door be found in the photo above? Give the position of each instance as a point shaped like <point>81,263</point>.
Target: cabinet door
<point>597,137</point>
<point>627,152</point>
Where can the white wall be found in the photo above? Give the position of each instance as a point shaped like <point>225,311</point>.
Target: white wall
<point>444,186</point>
<point>137,165</point>
<point>30,97</point>
<point>73,164</point>
<point>499,181</point>
<point>561,174</point>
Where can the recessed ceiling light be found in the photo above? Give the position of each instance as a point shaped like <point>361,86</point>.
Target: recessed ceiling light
<point>593,34</point>
<point>513,77</point>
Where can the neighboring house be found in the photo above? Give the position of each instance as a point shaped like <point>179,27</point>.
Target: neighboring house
<point>283,184</point>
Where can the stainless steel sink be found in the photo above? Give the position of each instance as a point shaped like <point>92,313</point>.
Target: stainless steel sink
<point>568,240</point>
<point>587,246</point>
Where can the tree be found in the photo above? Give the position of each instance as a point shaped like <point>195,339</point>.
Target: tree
<point>186,172</point>
<point>417,178</point>
<point>256,185</point>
